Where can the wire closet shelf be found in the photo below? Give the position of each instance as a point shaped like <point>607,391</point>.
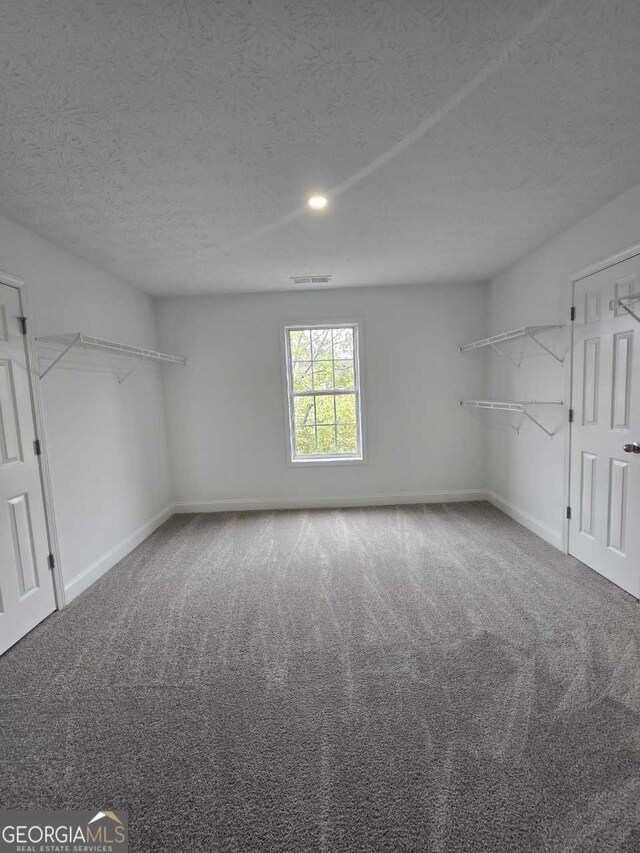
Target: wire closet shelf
<point>517,406</point>
<point>112,356</point>
<point>531,332</point>
<point>625,302</point>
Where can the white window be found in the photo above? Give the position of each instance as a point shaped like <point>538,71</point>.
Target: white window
<point>323,391</point>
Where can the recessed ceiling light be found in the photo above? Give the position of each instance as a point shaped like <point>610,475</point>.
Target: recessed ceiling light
<point>318,202</point>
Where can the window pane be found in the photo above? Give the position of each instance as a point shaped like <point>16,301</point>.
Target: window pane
<point>300,344</point>
<point>321,340</point>
<point>322,375</point>
<point>343,343</point>
<point>321,361</point>
<point>324,409</point>
<point>346,408</point>
<point>303,413</point>
<point>326,439</point>
<point>302,376</point>
<point>305,441</point>
<point>347,439</point>
<point>344,374</point>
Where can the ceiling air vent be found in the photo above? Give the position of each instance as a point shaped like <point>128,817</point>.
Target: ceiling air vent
<point>311,279</point>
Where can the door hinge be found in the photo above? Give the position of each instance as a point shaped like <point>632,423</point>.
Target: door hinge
<point>569,512</point>
<point>52,561</point>
<point>573,313</point>
<point>37,447</point>
<point>23,324</point>
<point>570,416</point>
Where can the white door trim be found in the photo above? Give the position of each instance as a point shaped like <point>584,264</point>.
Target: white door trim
<point>43,460</point>
<point>577,276</point>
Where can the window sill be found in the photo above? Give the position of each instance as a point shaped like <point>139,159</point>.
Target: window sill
<point>329,461</point>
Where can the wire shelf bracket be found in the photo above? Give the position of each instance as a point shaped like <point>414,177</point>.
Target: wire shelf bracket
<point>79,340</point>
<point>525,331</point>
<point>518,406</point>
<point>625,302</point>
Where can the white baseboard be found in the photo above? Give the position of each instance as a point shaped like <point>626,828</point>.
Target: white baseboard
<point>244,504</point>
<point>91,574</point>
<point>553,537</point>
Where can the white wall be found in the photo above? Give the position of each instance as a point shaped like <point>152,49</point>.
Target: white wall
<point>226,411</point>
<point>525,472</point>
<point>107,443</point>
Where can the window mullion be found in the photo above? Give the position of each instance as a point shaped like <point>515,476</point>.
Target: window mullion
<point>315,422</point>
<point>337,392</point>
<point>313,372</point>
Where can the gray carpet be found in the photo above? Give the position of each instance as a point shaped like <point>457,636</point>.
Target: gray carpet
<point>420,678</point>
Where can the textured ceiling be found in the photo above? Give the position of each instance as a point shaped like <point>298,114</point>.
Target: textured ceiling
<point>173,142</point>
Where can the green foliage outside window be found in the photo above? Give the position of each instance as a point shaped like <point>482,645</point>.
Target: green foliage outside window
<point>324,360</point>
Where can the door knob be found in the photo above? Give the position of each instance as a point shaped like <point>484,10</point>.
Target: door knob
<point>632,448</point>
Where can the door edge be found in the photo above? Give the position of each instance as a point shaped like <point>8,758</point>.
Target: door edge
<point>39,424</point>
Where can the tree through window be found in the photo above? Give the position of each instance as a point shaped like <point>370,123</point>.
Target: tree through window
<point>324,392</point>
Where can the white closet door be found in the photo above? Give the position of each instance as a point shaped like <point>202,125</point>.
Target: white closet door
<point>604,529</point>
<point>26,585</point>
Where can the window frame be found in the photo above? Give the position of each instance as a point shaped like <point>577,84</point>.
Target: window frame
<point>290,395</point>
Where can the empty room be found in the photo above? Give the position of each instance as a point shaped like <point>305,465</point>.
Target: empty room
<point>320,426</point>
